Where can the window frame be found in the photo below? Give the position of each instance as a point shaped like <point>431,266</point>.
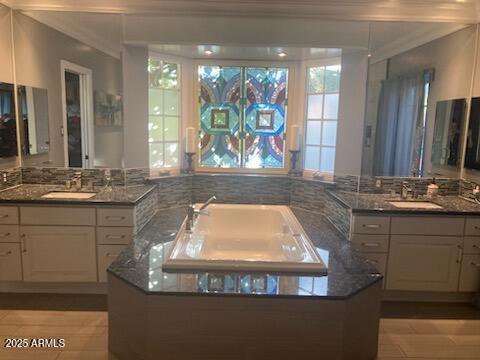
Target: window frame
<point>305,68</point>
<point>180,89</point>
<point>290,65</point>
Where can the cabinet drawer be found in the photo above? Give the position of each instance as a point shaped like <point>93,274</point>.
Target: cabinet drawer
<point>106,254</point>
<point>8,215</point>
<point>10,262</point>
<point>427,225</point>
<point>39,215</point>
<point>471,245</point>
<point>370,243</point>
<point>470,275</point>
<point>472,226</point>
<point>114,235</point>
<point>9,233</point>
<point>115,217</point>
<point>371,225</point>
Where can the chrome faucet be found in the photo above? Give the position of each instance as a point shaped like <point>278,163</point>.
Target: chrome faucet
<point>77,180</point>
<point>192,213</point>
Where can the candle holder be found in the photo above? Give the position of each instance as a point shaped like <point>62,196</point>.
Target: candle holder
<point>293,163</point>
<point>189,168</point>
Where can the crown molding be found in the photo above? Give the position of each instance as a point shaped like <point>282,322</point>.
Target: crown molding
<point>352,10</point>
<point>81,33</point>
<point>411,41</point>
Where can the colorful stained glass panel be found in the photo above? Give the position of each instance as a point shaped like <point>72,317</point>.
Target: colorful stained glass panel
<point>265,114</point>
<point>219,116</point>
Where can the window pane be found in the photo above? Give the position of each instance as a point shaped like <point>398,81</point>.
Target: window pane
<point>171,155</point>
<point>331,106</point>
<point>312,157</point>
<point>329,134</point>
<point>170,76</point>
<point>155,128</point>
<point>315,105</point>
<point>171,102</point>
<point>332,78</point>
<point>156,155</point>
<point>154,73</point>
<point>328,159</point>
<point>155,101</point>
<point>315,79</point>
<point>171,128</point>
<point>314,129</point>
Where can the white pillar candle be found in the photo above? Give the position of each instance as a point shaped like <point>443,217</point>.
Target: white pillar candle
<point>190,140</point>
<point>296,138</point>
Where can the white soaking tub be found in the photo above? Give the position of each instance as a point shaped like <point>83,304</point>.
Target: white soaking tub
<point>244,238</point>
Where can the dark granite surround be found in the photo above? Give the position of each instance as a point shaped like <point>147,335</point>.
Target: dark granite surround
<point>140,264</point>
<point>116,195</point>
<point>378,204</point>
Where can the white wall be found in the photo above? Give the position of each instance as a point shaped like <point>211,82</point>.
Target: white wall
<point>351,113</point>
<point>135,106</point>
<point>452,57</point>
<point>6,68</point>
<point>38,51</point>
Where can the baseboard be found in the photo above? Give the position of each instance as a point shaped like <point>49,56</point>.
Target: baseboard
<point>53,288</point>
<point>427,296</point>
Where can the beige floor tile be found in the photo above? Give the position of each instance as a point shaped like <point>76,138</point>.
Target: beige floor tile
<point>83,355</point>
<point>395,326</point>
<point>390,350</point>
<point>24,354</point>
<point>441,351</point>
<point>465,339</point>
<point>446,327</point>
<point>31,317</point>
<point>60,331</point>
<point>8,329</point>
<point>86,343</point>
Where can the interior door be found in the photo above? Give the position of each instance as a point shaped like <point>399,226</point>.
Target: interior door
<point>74,133</point>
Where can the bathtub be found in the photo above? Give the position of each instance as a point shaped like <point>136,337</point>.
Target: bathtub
<point>244,238</point>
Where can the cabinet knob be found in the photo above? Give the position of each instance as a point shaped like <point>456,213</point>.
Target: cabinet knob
<point>5,253</point>
<point>3,216</point>
<point>476,264</point>
<point>5,234</point>
<point>370,244</point>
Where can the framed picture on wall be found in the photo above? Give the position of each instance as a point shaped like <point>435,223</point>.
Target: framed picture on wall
<point>107,109</point>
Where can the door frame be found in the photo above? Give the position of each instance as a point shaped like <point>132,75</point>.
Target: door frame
<point>86,112</point>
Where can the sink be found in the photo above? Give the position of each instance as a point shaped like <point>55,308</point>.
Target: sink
<point>68,195</point>
<point>415,204</point>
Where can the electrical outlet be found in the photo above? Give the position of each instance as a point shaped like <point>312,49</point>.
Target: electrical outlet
<point>4,177</point>
<point>378,183</point>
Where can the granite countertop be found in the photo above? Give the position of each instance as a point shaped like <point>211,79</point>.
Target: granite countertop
<point>140,265</point>
<point>378,203</point>
<point>118,195</point>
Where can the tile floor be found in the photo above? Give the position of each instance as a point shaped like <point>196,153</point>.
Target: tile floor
<point>85,334</point>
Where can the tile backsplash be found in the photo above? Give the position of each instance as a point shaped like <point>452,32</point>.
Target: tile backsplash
<point>10,177</point>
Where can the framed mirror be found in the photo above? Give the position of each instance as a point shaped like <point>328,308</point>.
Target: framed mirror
<point>472,150</point>
<point>447,132</point>
<point>8,127</point>
<point>33,113</point>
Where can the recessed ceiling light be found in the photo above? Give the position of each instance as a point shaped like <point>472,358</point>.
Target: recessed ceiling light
<point>208,52</point>
<point>282,54</point>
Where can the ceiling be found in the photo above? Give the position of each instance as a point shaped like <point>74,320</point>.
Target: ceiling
<point>245,53</point>
<point>465,11</point>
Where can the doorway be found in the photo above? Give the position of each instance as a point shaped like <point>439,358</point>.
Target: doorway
<point>77,102</point>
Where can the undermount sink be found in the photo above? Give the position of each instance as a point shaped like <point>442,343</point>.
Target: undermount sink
<point>68,195</point>
<point>415,204</point>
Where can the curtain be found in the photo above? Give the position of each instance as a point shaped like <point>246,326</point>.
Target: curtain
<point>398,124</point>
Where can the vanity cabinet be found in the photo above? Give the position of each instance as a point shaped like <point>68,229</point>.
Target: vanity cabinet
<point>58,253</point>
<point>424,263</point>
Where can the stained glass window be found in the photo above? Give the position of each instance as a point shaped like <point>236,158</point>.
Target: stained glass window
<point>323,89</point>
<point>242,116</point>
<point>164,113</point>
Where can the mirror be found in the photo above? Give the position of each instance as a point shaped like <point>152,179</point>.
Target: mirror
<point>33,114</point>
<point>472,151</point>
<point>8,127</point>
<point>415,108</point>
<point>447,133</point>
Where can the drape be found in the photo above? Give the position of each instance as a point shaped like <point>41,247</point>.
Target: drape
<point>398,122</point>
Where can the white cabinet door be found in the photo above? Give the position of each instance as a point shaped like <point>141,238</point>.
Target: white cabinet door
<point>58,253</point>
<point>425,263</point>
<point>10,262</point>
<point>106,254</point>
<point>470,276</point>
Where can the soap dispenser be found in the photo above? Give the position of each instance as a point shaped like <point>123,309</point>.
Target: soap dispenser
<point>432,189</point>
